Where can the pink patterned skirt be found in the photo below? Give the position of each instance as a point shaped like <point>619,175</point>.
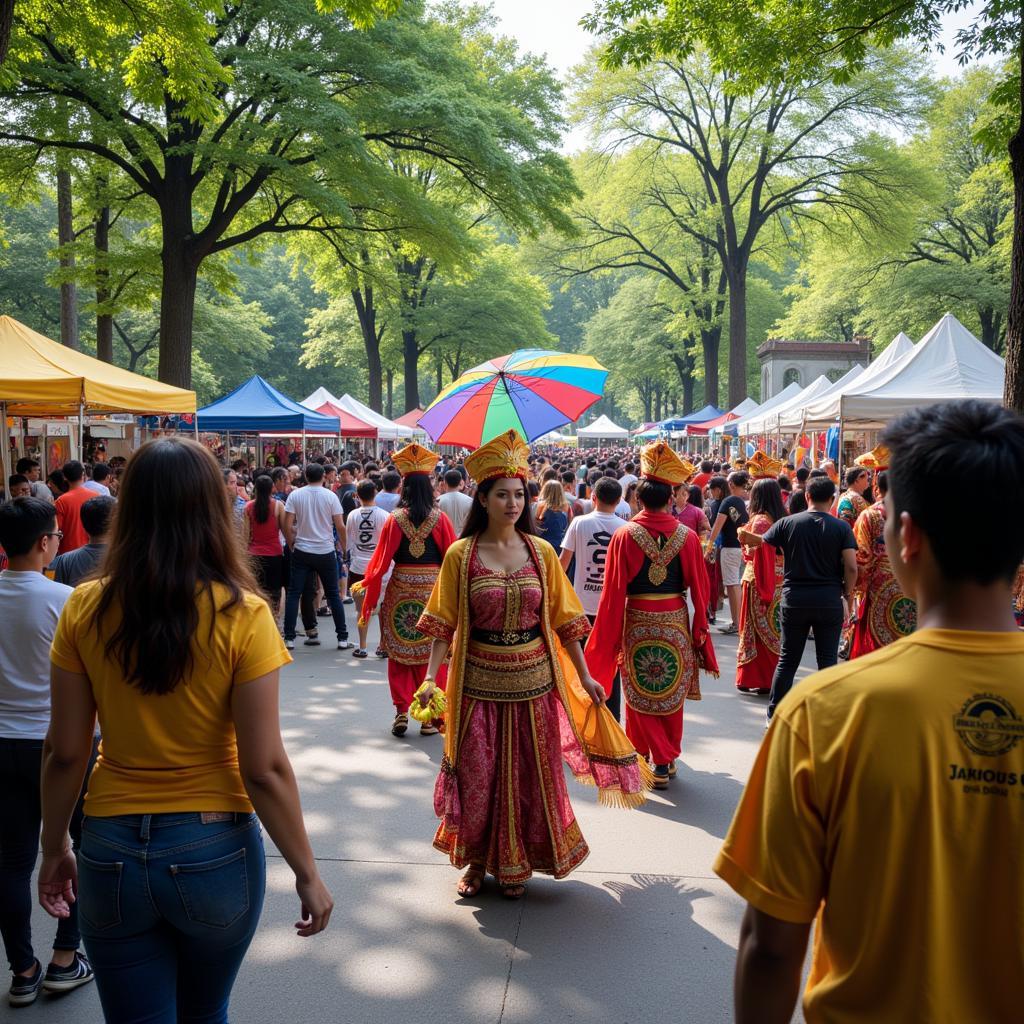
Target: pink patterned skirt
<point>506,805</point>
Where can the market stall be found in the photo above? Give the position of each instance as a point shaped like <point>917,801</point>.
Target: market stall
<point>42,379</point>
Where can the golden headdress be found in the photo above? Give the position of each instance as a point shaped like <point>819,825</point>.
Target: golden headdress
<point>414,458</point>
<point>877,458</point>
<point>761,465</point>
<point>505,456</point>
<point>658,461</point>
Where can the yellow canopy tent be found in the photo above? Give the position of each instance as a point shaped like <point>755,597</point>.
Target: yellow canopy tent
<point>39,377</point>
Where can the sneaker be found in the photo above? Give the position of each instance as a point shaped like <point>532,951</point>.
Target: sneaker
<point>730,630</point>
<point>360,652</point>
<point>347,600</point>
<point>25,991</point>
<point>344,645</point>
<point>64,979</point>
<point>289,645</point>
<point>312,638</point>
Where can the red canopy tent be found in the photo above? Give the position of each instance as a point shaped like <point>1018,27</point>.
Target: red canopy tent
<point>351,426</point>
<point>705,428</point>
<point>410,419</point>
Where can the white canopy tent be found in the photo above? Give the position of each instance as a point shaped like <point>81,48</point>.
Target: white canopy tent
<point>819,413</point>
<point>315,400</point>
<point>766,422</point>
<point>739,427</point>
<point>604,429</point>
<point>746,408</point>
<point>790,418</point>
<point>947,364</point>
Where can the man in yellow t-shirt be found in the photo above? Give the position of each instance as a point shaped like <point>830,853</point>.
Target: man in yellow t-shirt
<point>887,800</point>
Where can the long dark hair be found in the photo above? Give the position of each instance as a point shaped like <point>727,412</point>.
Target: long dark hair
<point>766,499</point>
<point>417,497</point>
<point>476,521</point>
<point>174,536</point>
<point>262,487</point>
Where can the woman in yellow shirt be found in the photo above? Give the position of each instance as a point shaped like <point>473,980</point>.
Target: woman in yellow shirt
<point>178,654</point>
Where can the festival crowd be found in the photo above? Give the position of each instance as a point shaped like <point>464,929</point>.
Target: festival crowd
<point>538,607</point>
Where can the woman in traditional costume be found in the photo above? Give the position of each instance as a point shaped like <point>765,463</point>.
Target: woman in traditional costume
<point>520,698</point>
<point>760,636</point>
<point>884,612</point>
<point>414,542</point>
<point>643,623</point>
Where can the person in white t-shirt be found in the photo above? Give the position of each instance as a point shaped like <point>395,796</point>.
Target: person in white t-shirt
<point>628,477</point>
<point>455,503</point>
<point>30,606</point>
<point>98,480</point>
<point>388,499</point>
<point>362,529</point>
<point>313,525</point>
<point>585,549</point>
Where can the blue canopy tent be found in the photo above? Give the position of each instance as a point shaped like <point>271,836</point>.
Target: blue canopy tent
<point>257,408</point>
<point>709,412</point>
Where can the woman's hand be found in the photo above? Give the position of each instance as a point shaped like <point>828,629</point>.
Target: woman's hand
<point>595,691</point>
<point>317,904</point>
<point>58,878</point>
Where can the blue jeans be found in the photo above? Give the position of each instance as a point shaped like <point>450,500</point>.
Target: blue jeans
<point>325,566</point>
<point>168,905</point>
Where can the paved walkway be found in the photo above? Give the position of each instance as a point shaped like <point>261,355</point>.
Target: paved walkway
<point>643,932</point>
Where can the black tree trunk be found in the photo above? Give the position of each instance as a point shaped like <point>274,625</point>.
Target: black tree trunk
<point>366,311</point>
<point>391,395</point>
<point>104,321</point>
<point>1013,395</point>
<point>710,340</point>
<point>65,237</point>
<point>737,334</point>
<point>410,369</point>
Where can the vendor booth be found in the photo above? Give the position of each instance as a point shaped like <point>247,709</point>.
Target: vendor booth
<point>602,429</point>
<point>255,407</point>
<point>42,379</point>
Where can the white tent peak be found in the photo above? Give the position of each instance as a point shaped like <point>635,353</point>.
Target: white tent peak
<point>745,408</point>
<point>315,400</point>
<point>603,427</point>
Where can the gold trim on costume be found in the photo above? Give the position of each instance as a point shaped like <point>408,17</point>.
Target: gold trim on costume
<point>660,558</point>
<point>416,535</point>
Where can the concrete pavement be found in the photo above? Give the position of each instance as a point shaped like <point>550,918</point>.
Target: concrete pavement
<point>642,933</point>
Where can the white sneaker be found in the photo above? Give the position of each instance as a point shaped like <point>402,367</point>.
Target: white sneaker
<point>345,645</point>
<point>289,645</point>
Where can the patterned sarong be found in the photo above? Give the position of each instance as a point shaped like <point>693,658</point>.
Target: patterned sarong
<point>659,666</point>
<point>404,600</point>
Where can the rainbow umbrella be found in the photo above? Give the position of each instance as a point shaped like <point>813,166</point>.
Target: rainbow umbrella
<point>532,391</point>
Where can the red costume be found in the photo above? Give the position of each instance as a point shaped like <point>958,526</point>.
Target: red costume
<point>417,554</point>
<point>885,613</point>
<point>759,640</point>
<point>643,624</point>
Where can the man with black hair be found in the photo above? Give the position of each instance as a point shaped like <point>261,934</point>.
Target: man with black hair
<point>886,801</point>
<point>313,522</point>
<point>731,515</point>
<point>31,469</point>
<point>18,486</point>
<point>30,606</point>
<point>388,498</point>
<point>71,568</point>
<point>69,507</point>
<point>97,482</point>
<point>819,575</point>
<point>455,503</point>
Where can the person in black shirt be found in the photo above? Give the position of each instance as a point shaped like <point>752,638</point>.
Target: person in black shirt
<point>730,516</point>
<point>818,579</point>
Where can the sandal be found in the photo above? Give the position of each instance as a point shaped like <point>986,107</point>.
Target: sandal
<point>428,729</point>
<point>400,724</point>
<point>513,892</point>
<point>470,883</point>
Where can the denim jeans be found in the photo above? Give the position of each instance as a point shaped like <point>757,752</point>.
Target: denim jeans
<point>169,904</point>
<point>20,819</point>
<point>326,567</point>
<point>796,623</point>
